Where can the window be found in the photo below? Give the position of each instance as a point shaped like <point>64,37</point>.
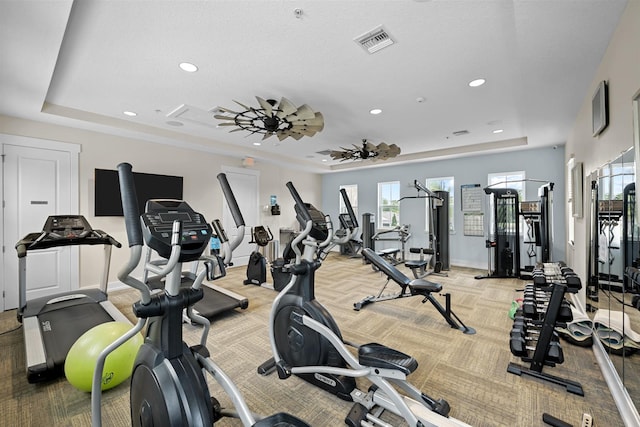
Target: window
<point>513,180</point>
<point>388,205</point>
<point>442,184</point>
<point>352,194</point>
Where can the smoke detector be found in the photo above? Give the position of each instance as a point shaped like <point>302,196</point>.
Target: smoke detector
<point>374,40</point>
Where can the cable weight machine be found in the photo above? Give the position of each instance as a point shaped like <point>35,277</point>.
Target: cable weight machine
<point>538,217</point>
<point>437,250</point>
<point>504,248</point>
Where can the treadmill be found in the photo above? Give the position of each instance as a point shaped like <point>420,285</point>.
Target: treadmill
<point>52,324</point>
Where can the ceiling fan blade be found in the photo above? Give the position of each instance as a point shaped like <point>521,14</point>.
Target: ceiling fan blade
<point>267,135</point>
<point>283,134</point>
<point>286,108</point>
<point>302,129</point>
<point>243,106</point>
<point>268,109</point>
<point>226,110</point>
<point>220,117</point>
<point>227,124</point>
<point>295,135</point>
<point>304,112</point>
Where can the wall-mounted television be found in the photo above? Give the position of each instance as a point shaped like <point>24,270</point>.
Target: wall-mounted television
<point>600,109</point>
<point>148,186</point>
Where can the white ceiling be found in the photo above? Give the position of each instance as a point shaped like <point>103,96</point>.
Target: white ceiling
<point>84,63</point>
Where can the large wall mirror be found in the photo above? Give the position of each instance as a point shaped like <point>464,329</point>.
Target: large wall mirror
<point>613,290</point>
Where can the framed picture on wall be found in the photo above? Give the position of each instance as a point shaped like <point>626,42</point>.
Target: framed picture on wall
<point>600,109</point>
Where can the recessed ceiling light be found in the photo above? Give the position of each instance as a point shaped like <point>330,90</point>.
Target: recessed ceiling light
<point>188,67</point>
<point>375,111</point>
<point>175,123</point>
<point>324,160</point>
<point>477,82</point>
<point>257,143</point>
<point>498,131</point>
<point>130,113</point>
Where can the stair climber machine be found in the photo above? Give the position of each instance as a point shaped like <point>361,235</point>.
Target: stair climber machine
<point>168,384</point>
<point>52,324</point>
<point>306,341</point>
<point>216,300</point>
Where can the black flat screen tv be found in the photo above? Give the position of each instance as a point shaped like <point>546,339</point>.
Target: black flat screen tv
<point>148,186</point>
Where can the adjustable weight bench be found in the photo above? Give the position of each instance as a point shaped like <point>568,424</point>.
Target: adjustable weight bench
<point>390,254</point>
<point>421,267</point>
<point>409,288</point>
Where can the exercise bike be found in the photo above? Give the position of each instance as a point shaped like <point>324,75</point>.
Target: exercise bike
<point>306,341</point>
<point>168,385</point>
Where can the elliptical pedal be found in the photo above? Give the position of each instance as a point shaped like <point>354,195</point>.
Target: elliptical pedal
<point>380,356</point>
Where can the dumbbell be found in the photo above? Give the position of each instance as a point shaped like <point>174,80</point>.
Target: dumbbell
<point>518,346</point>
<point>531,308</point>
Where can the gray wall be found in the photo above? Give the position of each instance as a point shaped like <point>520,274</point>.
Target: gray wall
<point>545,164</point>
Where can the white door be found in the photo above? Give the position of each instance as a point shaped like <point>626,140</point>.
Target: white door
<point>244,184</point>
<point>37,182</point>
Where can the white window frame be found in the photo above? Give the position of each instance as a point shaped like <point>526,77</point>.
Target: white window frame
<point>387,187</point>
<point>435,184</point>
<point>514,179</point>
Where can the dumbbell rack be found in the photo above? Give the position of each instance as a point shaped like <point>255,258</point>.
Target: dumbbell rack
<point>560,284</point>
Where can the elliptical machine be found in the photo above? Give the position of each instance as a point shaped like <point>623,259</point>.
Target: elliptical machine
<point>168,386</point>
<point>306,341</point>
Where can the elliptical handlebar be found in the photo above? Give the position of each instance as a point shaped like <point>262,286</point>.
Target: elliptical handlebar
<point>130,204</point>
<point>347,203</point>
<point>227,251</point>
<point>304,211</point>
<point>231,200</point>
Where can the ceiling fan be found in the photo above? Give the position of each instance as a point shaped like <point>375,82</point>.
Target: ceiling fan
<point>368,150</point>
<point>282,119</point>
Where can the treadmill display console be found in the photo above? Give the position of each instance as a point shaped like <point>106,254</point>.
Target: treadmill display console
<point>157,226</point>
<point>64,230</point>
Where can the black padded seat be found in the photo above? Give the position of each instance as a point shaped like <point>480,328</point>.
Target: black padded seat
<point>379,356</point>
<point>416,263</point>
<point>390,251</point>
<point>424,287</point>
<point>425,251</point>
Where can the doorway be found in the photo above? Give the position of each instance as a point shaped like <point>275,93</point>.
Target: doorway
<point>39,178</point>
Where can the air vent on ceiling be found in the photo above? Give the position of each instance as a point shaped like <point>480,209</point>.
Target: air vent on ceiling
<point>324,152</point>
<point>460,132</point>
<point>191,114</point>
<point>374,40</point>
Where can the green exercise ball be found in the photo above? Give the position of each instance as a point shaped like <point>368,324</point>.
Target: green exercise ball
<point>83,354</point>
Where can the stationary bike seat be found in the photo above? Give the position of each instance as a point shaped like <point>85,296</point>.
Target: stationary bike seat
<point>380,356</point>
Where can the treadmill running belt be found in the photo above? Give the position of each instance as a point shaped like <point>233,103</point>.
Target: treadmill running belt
<point>60,330</point>
<point>215,303</point>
